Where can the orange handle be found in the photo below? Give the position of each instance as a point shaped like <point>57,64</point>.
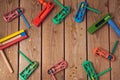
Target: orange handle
<point>42,2</point>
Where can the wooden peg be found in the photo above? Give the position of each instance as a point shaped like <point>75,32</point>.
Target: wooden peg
<point>6,61</point>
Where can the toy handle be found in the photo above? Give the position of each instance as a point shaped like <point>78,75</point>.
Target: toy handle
<point>94,10</point>
<point>114,27</point>
<point>25,57</point>
<point>25,20</point>
<point>53,76</point>
<point>107,70</point>
<point>6,61</point>
<point>57,2</point>
<point>23,17</point>
<point>42,2</point>
<point>115,46</point>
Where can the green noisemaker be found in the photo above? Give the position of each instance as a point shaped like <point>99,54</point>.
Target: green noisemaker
<point>90,71</point>
<point>101,22</point>
<point>33,65</point>
<point>58,18</point>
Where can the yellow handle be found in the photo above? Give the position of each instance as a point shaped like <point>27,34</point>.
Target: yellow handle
<point>11,36</point>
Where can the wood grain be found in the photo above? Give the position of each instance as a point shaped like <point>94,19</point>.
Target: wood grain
<point>31,47</point>
<point>6,29</point>
<point>52,44</point>
<point>75,44</point>
<point>114,11</point>
<point>49,43</point>
<point>98,39</point>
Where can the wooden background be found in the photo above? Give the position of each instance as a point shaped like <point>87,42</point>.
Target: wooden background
<point>50,43</point>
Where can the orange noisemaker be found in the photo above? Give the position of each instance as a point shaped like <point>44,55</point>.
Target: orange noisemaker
<point>103,53</point>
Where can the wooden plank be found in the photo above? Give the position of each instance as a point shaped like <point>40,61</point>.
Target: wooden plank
<point>31,46</point>
<point>11,52</point>
<point>52,44</point>
<point>75,43</point>
<point>99,38</point>
<point>114,10</point>
<point>68,42</point>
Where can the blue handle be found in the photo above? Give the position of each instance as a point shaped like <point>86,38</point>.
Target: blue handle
<point>25,20</point>
<point>23,17</point>
<point>114,27</point>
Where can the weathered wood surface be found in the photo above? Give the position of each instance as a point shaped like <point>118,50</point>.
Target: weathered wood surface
<point>11,52</point>
<point>49,43</point>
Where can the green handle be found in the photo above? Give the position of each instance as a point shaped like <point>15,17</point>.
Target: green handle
<point>107,70</point>
<point>115,46</point>
<point>94,10</point>
<point>57,2</point>
<point>24,56</point>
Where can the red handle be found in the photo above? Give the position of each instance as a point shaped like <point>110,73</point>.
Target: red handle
<point>42,2</point>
